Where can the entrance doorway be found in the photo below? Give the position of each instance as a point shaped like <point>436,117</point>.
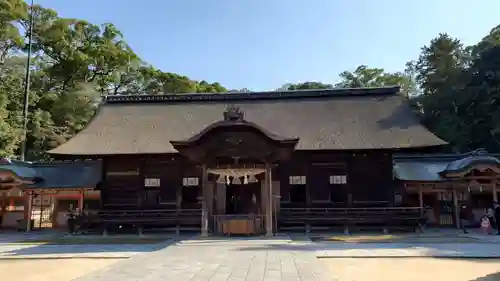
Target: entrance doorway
<point>243,199</point>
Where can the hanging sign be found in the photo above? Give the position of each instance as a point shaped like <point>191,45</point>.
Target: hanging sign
<point>148,182</point>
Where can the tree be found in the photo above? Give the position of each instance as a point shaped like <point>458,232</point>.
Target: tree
<point>364,76</point>
<point>441,75</point>
<point>11,11</point>
<point>441,65</point>
<point>489,41</point>
<point>74,63</point>
<point>480,101</point>
<point>305,86</point>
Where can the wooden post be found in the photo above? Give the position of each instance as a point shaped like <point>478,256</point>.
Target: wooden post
<point>178,202</point>
<point>81,200</point>
<point>204,205</point>
<point>456,209</point>
<point>269,205</point>
<point>495,196</point>
<point>30,209</point>
<point>421,200</point>
<point>2,203</point>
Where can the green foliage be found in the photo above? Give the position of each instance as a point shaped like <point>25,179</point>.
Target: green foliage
<point>460,89</point>
<point>74,63</point>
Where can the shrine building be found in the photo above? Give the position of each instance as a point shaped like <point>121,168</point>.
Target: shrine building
<point>244,163</point>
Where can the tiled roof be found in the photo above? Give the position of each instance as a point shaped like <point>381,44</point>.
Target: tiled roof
<point>435,167</point>
<point>67,174</point>
<point>56,174</point>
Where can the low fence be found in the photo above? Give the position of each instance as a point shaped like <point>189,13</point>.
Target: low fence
<point>405,217</point>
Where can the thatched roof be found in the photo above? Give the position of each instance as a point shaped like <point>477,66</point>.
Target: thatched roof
<point>339,119</point>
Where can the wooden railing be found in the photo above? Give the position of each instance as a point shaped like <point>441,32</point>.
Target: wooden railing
<point>148,216</point>
<point>377,216</point>
<point>354,210</point>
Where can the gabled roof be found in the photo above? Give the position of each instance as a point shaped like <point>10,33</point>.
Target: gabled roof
<point>55,175</point>
<point>338,119</point>
<point>76,174</point>
<point>20,169</point>
<point>435,167</point>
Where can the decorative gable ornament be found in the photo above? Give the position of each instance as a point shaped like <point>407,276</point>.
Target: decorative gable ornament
<point>233,113</point>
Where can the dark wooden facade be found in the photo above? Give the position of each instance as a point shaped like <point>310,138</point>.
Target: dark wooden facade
<point>364,180</point>
<point>368,183</point>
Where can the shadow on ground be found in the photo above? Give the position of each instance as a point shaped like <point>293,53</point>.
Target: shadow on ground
<point>30,250</point>
<point>490,277</point>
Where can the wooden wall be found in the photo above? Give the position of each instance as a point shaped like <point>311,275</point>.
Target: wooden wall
<point>369,179</point>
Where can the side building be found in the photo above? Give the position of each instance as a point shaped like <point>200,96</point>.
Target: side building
<point>46,192</point>
<point>249,162</point>
<point>440,183</point>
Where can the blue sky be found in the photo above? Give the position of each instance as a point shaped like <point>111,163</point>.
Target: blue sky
<point>262,44</point>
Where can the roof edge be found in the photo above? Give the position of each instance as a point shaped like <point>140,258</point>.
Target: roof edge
<point>54,151</point>
<point>438,156</point>
<point>263,95</point>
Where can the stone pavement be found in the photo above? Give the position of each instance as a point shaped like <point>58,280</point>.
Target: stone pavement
<point>221,259</point>
<point>443,250</point>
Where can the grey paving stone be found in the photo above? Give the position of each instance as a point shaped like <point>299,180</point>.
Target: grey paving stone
<point>217,260</point>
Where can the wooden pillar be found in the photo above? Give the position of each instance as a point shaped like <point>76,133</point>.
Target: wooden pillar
<point>263,200</point>
<point>421,200</point>
<point>221,197</point>
<point>3,205</point>
<point>204,205</point>
<point>269,205</point>
<point>178,205</point>
<point>81,200</point>
<point>494,187</point>
<point>276,203</point>
<point>30,210</point>
<point>456,209</point>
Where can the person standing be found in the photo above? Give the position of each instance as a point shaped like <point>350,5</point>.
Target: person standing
<point>71,222</point>
<point>490,213</point>
<point>485,225</point>
<point>464,217</point>
<point>497,215</point>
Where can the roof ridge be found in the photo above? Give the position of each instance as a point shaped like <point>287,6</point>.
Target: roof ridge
<point>260,95</point>
<point>441,156</point>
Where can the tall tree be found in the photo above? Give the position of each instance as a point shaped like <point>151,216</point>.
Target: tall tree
<point>365,76</point>
<point>441,75</point>
<point>480,100</point>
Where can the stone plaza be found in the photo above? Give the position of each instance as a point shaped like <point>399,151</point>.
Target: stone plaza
<point>238,259</point>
